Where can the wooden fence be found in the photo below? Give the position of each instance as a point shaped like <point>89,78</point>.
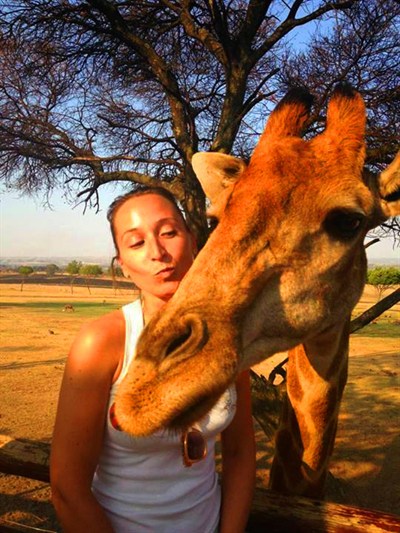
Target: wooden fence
<point>271,512</point>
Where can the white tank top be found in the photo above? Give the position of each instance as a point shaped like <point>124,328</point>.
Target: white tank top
<point>142,483</point>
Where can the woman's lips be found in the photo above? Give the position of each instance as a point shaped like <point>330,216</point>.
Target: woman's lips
<point>165,272</point>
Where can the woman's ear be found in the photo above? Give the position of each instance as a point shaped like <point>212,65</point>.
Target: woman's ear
<point>122,267</point>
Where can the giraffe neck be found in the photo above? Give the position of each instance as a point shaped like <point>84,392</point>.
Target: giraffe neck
<point>316,376</point>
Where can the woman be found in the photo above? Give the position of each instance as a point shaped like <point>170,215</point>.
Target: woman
<point>104,480</point>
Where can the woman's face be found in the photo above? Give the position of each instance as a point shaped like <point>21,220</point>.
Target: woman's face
<point>155,247</point>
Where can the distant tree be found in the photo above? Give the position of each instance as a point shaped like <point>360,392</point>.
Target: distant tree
<point>52,269</point>
<point>115,271</point>
<point>91,270</point>
<point>73,267</point>
<point>383,278</point>
<point>25,271</point>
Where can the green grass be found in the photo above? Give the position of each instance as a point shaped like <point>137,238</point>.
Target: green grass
<point>380,329</point>
<point>84,309</point>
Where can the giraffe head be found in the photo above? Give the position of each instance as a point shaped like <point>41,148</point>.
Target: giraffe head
<point>285,264</point>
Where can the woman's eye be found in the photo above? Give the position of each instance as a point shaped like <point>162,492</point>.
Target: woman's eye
<point>136,244</point>
<point>169,233</point>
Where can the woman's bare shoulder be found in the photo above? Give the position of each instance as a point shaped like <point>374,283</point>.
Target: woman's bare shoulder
<point>105,329</point>
<point>100,341</point>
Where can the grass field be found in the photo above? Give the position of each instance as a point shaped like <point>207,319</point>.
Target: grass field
<point>385,326</point>
<point>382,329</point>
<point>36,334</point>
<point>86,310</point>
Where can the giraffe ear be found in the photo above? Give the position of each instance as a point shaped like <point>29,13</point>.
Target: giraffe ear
<point>217,173</point>
<point>389,188</point>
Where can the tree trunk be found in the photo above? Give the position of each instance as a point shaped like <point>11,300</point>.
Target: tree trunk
<point>88,287</point>
<point>194,205</point>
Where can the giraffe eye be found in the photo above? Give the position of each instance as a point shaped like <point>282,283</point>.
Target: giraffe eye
<point>344,225</point>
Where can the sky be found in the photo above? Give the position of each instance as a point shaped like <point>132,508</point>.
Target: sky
<point>27,229</point>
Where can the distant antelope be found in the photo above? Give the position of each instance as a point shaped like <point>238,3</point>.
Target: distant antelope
<point>69,307</point>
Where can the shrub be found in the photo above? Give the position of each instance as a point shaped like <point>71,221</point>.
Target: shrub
<point>51,269</point>
<point>382,278</point>
<point>73,267</point>
<point>91,270</point>
<point>25,270</point>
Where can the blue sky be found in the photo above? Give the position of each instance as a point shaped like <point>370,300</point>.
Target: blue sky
<point>27,229</point>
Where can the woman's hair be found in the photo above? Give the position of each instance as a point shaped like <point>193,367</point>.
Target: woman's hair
<point>140,190</point>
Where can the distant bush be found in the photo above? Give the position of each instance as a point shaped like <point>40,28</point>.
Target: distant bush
<point>91,270</point>
<point>115,271</point>
<point>25,270</point>
<point>382,278</point>
<point>73,267</point>
<point>51,269</point>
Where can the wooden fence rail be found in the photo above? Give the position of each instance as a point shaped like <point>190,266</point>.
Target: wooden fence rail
<point>271,512</point>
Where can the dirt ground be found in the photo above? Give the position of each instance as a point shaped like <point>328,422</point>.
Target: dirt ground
<point>365,466</point>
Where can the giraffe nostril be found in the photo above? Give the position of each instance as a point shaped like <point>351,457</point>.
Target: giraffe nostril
<point>178,342</point>
<point>189,337</point>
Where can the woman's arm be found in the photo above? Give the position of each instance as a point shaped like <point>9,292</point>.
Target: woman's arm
<point>238,462</point>
<point>79,427</point>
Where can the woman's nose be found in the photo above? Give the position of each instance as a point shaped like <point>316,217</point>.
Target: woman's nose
<point>157,250</point>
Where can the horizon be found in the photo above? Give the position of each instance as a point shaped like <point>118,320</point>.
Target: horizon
<point>30,231</point>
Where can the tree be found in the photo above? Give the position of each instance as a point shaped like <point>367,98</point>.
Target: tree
<point>73,267</point>
<point>52,269</point>
<point>91,270</point>
<point>115,271</point>
<point>25,271</point>
<point>382,278</point>
<point>127,91</point>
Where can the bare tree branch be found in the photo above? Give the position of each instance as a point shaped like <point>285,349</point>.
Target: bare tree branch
<point>376,310</point>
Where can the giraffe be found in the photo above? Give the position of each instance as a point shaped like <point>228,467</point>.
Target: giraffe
<point>282,271</point>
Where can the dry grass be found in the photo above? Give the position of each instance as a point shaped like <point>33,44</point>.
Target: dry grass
<point>34,345</point>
